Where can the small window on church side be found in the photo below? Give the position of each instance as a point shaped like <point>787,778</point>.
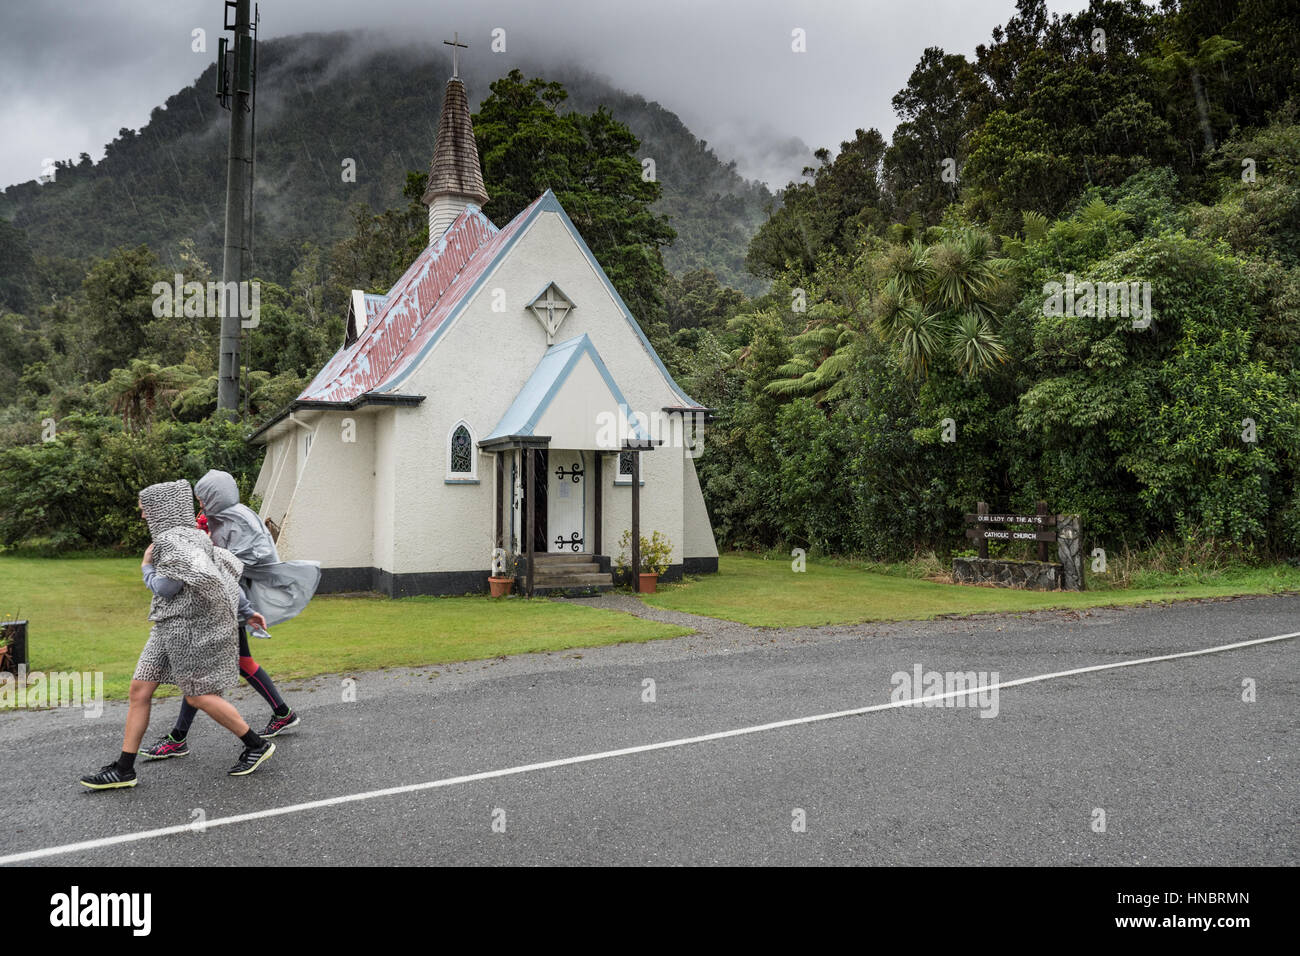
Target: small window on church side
<point>624,474</point>
<point>460,454</point>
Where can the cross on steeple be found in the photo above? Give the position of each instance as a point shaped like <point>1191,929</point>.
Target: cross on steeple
<point>455,43</point>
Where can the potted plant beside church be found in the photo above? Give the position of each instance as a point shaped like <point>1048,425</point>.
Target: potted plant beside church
<point>503,572</point>
<point>656,552</point>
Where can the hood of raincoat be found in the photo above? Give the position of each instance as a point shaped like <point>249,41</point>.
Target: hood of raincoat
<point>168,505</point>
<point>218,491</point>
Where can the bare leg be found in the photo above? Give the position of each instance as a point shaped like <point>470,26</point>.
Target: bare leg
<point>137,714</point>
<point>222,711</point>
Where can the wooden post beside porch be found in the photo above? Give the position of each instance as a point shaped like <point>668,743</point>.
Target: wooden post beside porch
<point>530,520</point>
<point>599,491</point>
<point>500,531</point>
<point>636,519</point>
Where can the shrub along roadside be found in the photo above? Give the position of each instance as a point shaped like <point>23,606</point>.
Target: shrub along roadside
<point>80,489</point>
<point>1168,563</point>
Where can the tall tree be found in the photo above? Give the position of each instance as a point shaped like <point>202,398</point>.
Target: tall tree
<point>528,146</point>
<point>842,202</point>
<point>119,301</point>
<point>1075,106</point>
<point>942,102</point>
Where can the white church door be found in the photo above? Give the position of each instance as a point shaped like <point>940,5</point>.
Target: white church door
<point>565,497</point>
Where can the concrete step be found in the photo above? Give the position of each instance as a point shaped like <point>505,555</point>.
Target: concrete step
<point>578,580</point>
<point>585,591</point>
<point>569,567</point>
<point>563,557</point>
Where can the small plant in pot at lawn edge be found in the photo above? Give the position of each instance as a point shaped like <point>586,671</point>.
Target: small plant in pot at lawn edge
<point>656,552</point>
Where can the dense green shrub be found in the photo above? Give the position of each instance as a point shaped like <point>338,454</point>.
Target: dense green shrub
<point>80,489</point>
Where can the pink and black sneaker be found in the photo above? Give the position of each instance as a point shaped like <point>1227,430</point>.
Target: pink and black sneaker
<point>167,747</point>
<point>280,724</point>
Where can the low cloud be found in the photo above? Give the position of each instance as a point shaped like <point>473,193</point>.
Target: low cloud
<point>72,74</point>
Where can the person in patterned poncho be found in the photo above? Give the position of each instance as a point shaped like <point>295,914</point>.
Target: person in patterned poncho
<point>279,589</point>
<point>197,605</point>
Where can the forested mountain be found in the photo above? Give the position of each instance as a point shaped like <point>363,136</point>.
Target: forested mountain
<point>910,358</point>
<point>324,99</point>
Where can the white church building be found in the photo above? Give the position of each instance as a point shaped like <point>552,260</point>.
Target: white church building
<point>498,399</point>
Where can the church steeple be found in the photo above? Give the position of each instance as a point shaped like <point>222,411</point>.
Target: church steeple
<point>455,177</point>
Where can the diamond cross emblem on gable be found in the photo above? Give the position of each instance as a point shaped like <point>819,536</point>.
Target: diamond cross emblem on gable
<point>550,308</point>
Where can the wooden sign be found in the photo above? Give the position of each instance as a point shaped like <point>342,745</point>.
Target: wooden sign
<point>991,534</point>
<point>984,534</point>
<point>1012,519</point>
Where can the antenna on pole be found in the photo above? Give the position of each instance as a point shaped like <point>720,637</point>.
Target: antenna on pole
<point>252,177</point>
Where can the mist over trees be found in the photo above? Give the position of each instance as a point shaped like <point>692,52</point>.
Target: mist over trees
<point>905,302</point>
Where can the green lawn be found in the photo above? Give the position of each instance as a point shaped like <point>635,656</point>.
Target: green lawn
<point>90,614</point>
<point>766,592</point>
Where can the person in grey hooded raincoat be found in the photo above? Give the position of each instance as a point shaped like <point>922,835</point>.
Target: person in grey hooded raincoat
<point>278,589</point>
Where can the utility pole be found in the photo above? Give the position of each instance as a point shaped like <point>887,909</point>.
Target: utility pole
<point>237,88</point>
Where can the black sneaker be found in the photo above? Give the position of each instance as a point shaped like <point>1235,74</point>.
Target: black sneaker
<point>167,747</point>
<point>280,724</point>
<point>251,759</point>
<point>110,777</point>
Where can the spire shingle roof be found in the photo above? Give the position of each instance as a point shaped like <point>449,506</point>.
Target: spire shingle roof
<point>454,169</point>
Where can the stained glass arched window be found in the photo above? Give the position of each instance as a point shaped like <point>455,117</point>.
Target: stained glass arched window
<point>461,453</point>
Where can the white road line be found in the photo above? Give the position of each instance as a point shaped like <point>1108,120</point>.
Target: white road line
<point>604,755</point>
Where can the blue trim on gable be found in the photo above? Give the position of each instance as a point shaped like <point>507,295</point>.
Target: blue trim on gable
<point>550,203</point>
<point>574,346</point>
<point>547,203</point>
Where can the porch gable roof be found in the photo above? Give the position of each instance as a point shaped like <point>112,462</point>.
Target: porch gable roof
<point>548,380</point>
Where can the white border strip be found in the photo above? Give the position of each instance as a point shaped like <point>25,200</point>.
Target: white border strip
<point>603,755</point>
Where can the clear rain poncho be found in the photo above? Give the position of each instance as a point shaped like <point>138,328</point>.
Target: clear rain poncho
<point>192,643</point>
<point>277,589</point>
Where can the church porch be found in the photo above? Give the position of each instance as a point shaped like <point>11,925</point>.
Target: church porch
<point>550,521</point>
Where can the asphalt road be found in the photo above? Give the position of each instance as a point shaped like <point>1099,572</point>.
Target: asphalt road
<point>1184,770</point>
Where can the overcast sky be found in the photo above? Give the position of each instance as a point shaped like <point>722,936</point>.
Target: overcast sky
<point>73,72</point>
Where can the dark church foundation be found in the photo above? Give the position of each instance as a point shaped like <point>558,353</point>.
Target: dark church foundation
<point>444,583</point>
<point>450,583</point>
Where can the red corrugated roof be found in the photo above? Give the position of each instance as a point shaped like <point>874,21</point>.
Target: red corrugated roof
<point>414,307</point>
<point>374,303</point>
